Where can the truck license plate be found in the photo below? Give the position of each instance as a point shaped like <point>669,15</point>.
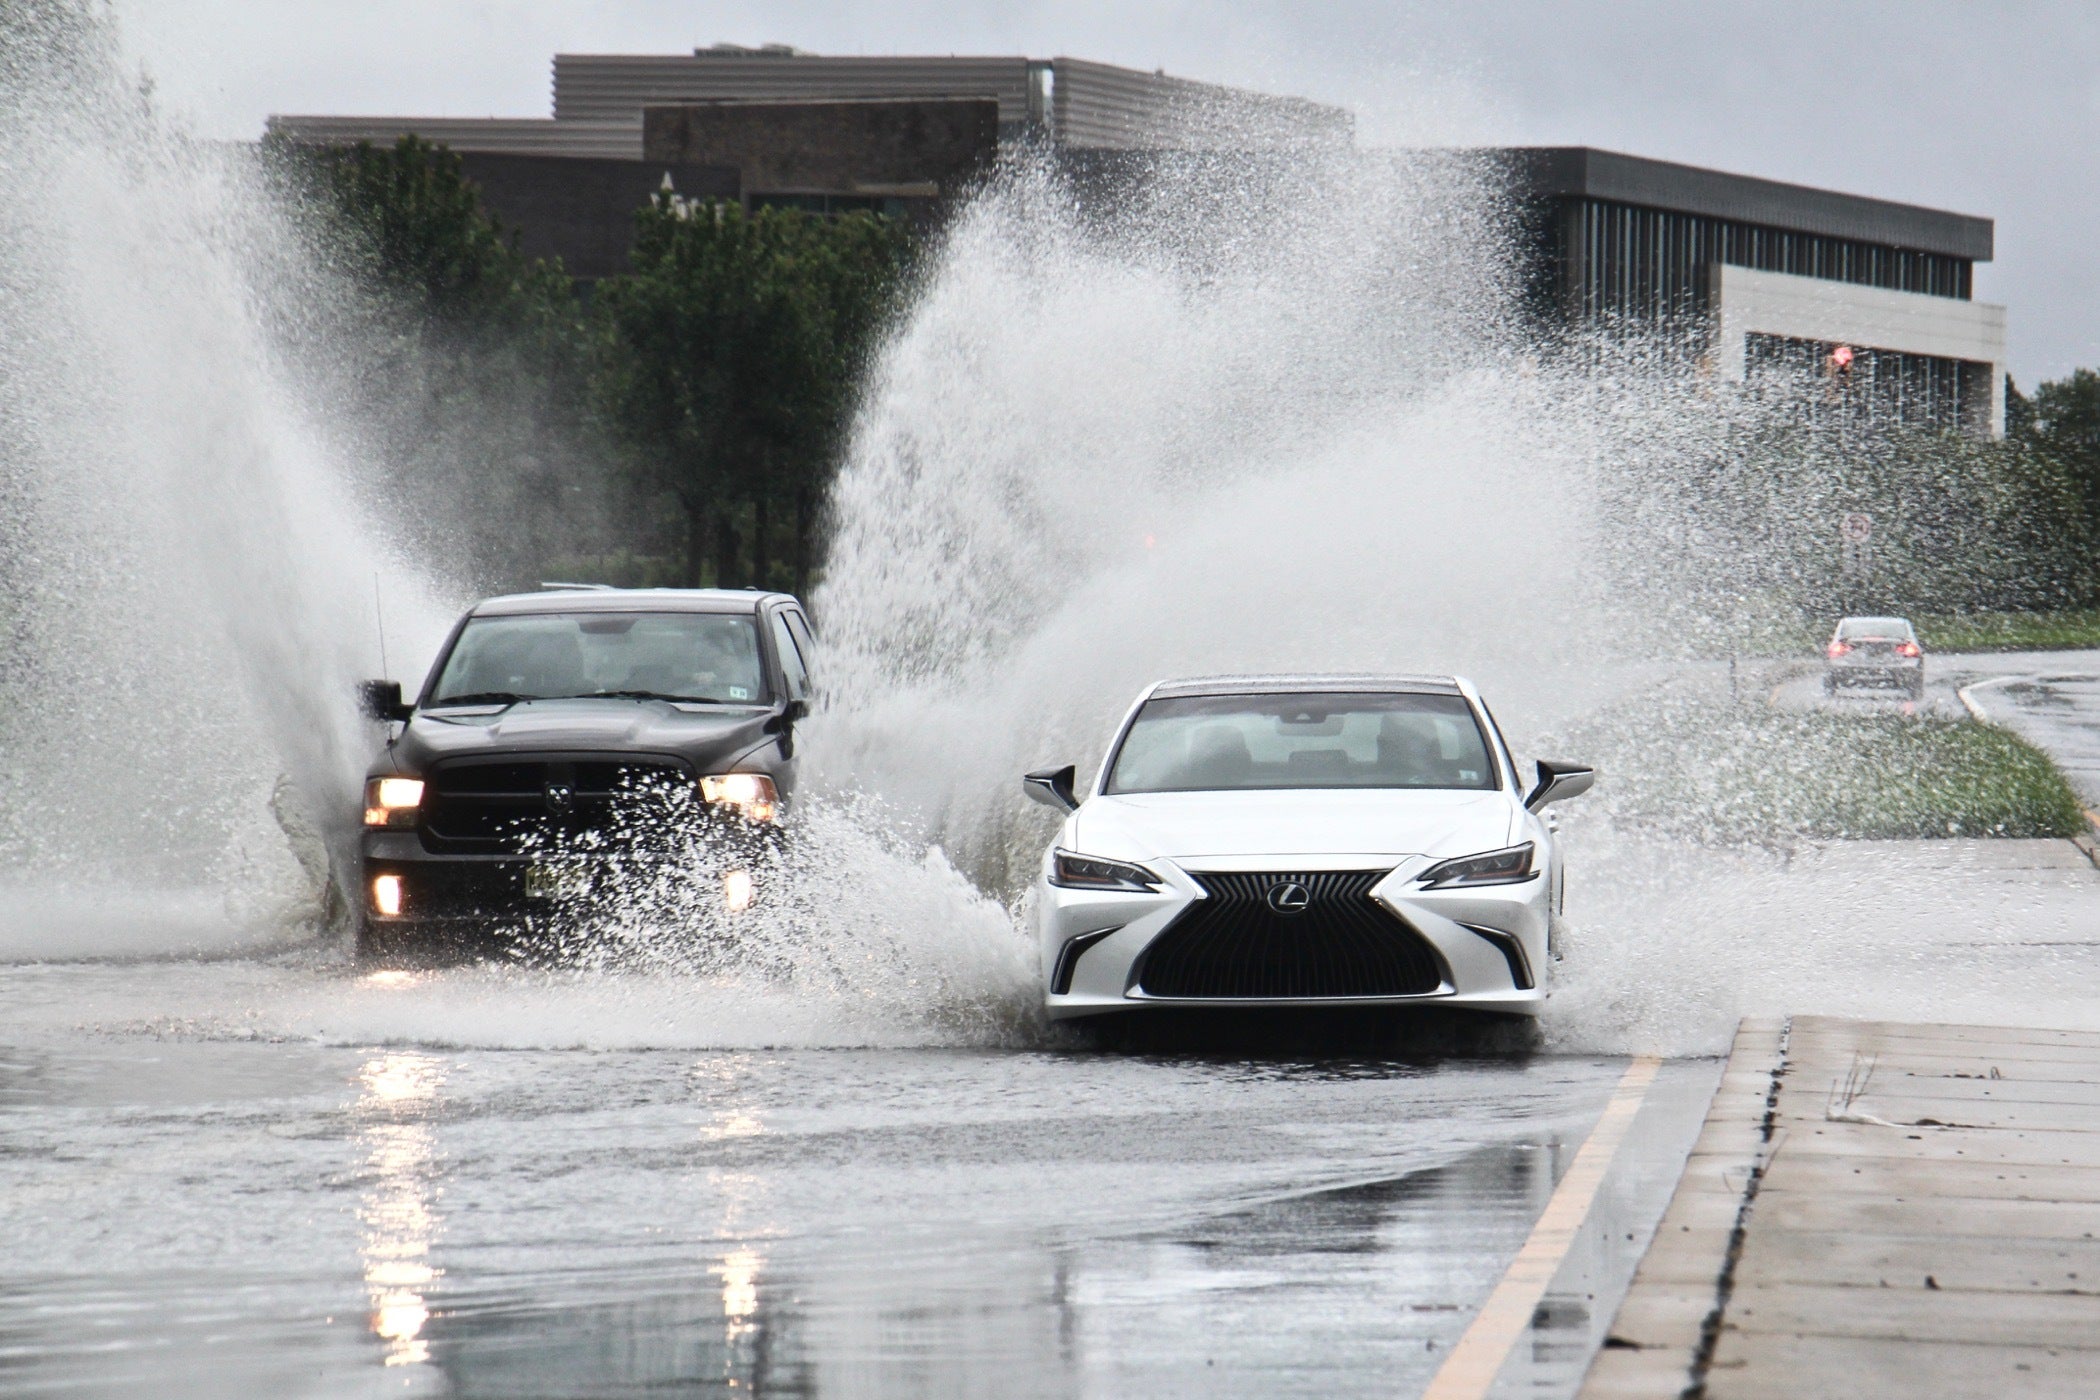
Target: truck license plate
<point>555,882</point>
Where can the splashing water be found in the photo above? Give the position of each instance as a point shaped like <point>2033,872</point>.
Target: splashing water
<point>1303,440</point>
<point>190,589</point>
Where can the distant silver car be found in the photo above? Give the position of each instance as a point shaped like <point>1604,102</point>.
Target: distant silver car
<point>1876,651</point>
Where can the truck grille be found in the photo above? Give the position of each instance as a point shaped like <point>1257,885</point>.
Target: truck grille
<point>508,805</point>
<point>1235,944</point>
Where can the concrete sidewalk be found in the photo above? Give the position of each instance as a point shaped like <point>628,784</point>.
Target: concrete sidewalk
<point>1878,1209</point>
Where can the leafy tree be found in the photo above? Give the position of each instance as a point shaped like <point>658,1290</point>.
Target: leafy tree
<point>727,370</point>
<point>469,362</point>
<point>2066,414</point>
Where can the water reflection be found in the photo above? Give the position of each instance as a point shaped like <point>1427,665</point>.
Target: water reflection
<point>398,1212</point>
<point>1312,1289</point>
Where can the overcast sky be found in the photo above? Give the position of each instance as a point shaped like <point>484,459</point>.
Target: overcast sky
<point>1986,108</point>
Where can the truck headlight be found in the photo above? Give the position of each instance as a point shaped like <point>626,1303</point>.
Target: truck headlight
<point>751,795</point>
<point>1509,866</point>
<point>392,801</point>
<point>1072,871</point>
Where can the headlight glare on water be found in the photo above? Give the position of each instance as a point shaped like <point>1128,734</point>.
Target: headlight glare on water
<point>392,801</point>
<point>1072,871</point>
<point>1509,866</point>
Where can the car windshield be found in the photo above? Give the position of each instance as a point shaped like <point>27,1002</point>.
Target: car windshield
<point>1894,627</point>
<point>545,656</point>
<point>1218,743</point>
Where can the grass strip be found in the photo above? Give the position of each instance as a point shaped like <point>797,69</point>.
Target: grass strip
<point>2038,631</point>
<point>1732,774</point>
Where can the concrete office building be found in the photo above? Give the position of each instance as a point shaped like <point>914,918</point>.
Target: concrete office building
<point>1756,277</point>
<point>773,125</point>
<point>1747,277</point>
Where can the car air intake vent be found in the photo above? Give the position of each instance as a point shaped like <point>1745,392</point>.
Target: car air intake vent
<point>1282,935</point>
<point>494,806</point>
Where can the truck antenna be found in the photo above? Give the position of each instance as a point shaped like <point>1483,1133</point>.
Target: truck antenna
<point>379,616</point>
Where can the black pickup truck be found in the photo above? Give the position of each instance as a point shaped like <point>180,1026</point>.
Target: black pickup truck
<point>543,716</point>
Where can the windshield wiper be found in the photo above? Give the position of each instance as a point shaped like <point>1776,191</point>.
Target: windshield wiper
<point>481,697</point>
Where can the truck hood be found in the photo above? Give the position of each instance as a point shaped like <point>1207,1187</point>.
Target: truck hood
<point>1383,822</point>
<point>706,736</point>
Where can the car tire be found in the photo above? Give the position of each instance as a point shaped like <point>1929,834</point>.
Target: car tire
<point>1830,685</point>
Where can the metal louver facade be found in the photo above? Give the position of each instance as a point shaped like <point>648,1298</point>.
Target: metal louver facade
<point>616,87</point>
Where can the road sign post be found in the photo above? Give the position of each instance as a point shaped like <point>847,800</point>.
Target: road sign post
<point>1855,528</point>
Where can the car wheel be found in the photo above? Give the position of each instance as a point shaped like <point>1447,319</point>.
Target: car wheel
<point>1830,685</point>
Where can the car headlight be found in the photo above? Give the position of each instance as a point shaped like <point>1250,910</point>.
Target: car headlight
<point>392,801</point>
<point>1076,872</point>
<point>751,795</point>
<point>1510,866</point>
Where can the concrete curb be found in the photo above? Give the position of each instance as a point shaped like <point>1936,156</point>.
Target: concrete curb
<point>1967,695</point>
<point>1664,1334</point>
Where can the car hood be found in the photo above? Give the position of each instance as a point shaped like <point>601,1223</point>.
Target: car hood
<point>703,736</point>
<point>1182,825</point>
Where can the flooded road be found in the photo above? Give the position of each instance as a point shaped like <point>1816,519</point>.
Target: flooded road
<point>197,1207</point>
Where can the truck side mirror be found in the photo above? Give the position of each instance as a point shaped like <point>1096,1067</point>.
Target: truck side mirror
<point>1559,781</point>
<point>381,700</point>
<point>1053,787</point>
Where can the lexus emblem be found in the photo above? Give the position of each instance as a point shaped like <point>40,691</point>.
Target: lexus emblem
<point>560,798</point>
<point>1289,897</point>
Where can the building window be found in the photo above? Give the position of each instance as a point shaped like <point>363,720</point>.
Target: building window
<point>1858,383</point>
<point>1623,265</point>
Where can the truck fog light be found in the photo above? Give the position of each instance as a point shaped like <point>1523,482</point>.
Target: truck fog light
<point>738,891</point>
<point>386,895</point>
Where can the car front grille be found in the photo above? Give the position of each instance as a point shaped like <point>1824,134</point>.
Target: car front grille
<point>1235,944</point>
<point>511,805</point>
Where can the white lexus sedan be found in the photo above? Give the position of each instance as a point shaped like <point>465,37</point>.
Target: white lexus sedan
<point>1302,841</point>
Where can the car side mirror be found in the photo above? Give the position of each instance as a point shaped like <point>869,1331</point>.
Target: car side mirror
<point>1559,781</point>
<point>381,700</point>
<point>1053,787</point>
<point>795,710</point>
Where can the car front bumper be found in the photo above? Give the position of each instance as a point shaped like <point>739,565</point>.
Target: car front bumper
<point>1489,944</point>
<point>446,892</point>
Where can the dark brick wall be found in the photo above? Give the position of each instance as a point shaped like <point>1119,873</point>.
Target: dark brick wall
<point>582,210</point>
<point>837,148</point>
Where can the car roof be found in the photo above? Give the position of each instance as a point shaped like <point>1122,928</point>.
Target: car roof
<point>566,600</point>
<point>1286,684</point>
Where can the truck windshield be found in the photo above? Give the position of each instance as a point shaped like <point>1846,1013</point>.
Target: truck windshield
<point>1211,743</point>
<point>709,657</point>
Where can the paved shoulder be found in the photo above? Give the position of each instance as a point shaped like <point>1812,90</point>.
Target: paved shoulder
<point>1879,1209</point>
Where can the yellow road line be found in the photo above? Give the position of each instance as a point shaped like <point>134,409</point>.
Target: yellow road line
<point>1506,1316</point>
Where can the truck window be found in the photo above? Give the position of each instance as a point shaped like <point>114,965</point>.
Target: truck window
<point>792,667</point>
<point>798,625</point>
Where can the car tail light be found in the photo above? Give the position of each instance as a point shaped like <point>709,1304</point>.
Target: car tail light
<point>1837,649</point>
<point>1906,649</point>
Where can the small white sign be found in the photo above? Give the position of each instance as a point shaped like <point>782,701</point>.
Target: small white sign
<point>1857,526</point>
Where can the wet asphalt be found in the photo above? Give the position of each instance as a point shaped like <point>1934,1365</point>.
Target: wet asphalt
<point>220,1208</point>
